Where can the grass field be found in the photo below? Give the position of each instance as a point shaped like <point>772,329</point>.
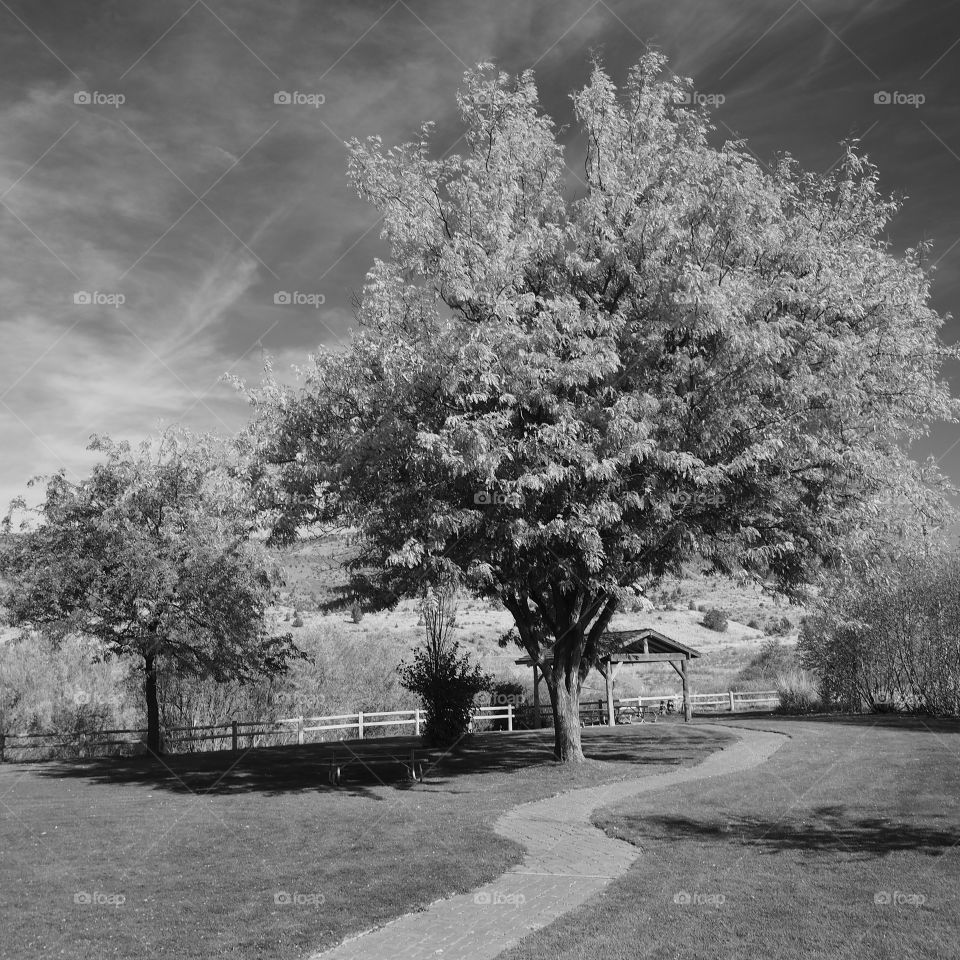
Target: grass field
<point>845,844</point>
<point>200,847</point>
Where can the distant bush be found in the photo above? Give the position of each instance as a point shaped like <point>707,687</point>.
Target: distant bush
<point>754,624</point>
<point>503,692</point>
<point>715,619</point>
<point>778,626</point>
<point>297,621</point>
<point>692,605</point>
<point>356,613</point>
<point>798,693</point>
<point>772,660</point>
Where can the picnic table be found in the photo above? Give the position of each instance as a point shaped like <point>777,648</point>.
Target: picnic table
<point>411,761</point>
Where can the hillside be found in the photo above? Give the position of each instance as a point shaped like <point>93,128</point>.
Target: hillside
<point>315,575</point>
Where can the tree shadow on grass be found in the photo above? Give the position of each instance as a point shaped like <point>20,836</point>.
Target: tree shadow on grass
<point>821,829</point>
<point>281,770</point>
<point>908,723</point>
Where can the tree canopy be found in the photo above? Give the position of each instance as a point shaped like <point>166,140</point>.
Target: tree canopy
<point>561,389</point>
<point>152,556</point>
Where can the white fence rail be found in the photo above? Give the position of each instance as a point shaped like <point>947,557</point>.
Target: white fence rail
<point>400,718</point>
<point>295,729</point>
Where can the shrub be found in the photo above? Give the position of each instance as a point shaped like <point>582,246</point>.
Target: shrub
<point>297,621</point>
<point>715,619</point>
<point>772,660</point>
<point>753,623</point>
<point>692,605</point>
<point>503,692</point>
<point>356,613</point>
<point>798,693</point>
<point>445,679</point>
<point>448,684</point>
<point>779,626</point>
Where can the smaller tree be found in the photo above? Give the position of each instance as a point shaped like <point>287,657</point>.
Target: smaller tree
<point>715,619</point>
<point>445,679</point>
<point>153,557</point>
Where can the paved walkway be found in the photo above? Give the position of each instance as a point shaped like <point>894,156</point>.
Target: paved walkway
<point>568,860</point>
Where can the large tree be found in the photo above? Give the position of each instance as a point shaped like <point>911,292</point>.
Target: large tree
<point>152,556</point>
<point>562,389</point>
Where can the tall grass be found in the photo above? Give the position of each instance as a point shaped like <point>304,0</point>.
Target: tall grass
<point>798,692</point>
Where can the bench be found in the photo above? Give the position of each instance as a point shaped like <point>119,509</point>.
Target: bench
<point>411,763</point>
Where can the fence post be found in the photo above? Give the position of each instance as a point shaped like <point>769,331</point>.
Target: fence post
<point>3,739</point>
<point>360,724</point>
<point>416,722</point>
<point>300,730</point>
<point>731,701</point>
<point>509,716</point>
<point>234,735</point>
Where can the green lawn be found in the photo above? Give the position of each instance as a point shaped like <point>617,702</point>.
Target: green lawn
<point>200,848</point>
<point>844,845</point>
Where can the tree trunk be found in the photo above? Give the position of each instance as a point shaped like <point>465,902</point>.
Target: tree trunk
<point>153,703</point>
<point>568,628</point>
<point>566,722</point>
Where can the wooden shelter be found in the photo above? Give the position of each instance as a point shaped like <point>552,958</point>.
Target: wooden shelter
<point>630,646</point>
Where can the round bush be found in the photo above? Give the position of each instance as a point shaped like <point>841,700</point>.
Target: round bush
<point>715,619</point>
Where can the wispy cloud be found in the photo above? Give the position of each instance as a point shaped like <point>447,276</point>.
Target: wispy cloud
<point>198,198</point>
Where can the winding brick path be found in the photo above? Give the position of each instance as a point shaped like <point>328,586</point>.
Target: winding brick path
<point>568,860</point>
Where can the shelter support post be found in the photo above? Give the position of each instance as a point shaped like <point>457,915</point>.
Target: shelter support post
<point>610,674</point>
<point>536,698</point>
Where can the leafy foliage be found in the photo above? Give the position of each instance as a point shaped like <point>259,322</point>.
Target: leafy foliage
<point>772,660</point>
<point>448,684</point>
<point>152,557</point>
<point>715,619</point>
<point>443,677</point>
<point>888,635</point>
<point>543,386</point>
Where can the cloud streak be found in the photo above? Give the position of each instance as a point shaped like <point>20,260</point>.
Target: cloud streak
<point>101,198</point>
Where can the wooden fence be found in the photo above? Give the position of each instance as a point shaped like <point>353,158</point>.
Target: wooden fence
<point>256,733</point>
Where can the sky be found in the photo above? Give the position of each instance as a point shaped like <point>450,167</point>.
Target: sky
<point>156,200</point>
